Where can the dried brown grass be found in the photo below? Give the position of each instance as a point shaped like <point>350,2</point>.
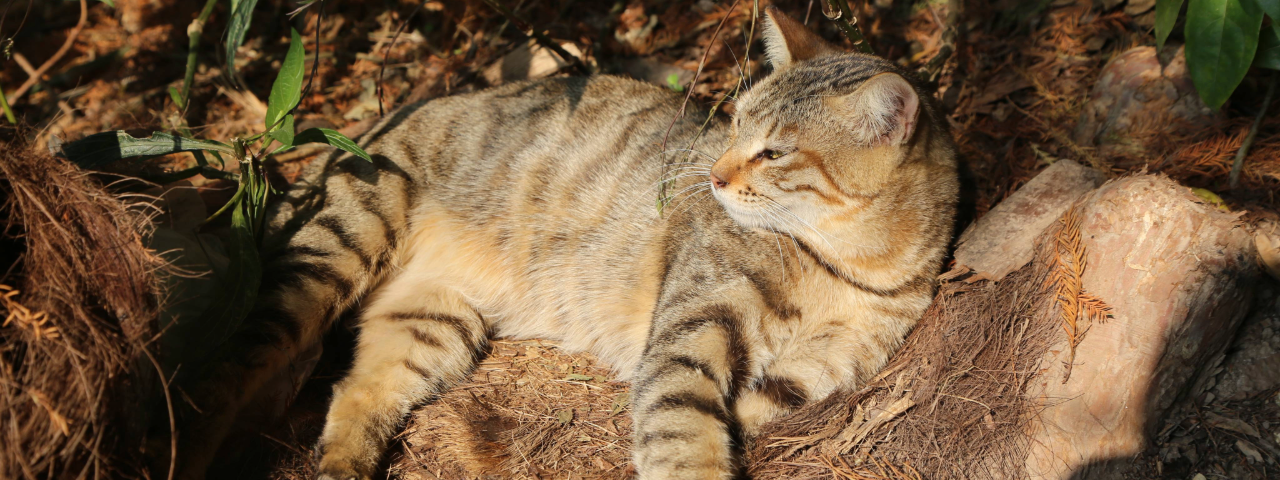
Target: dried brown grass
<point>950,404</point>
<point>530,411</point>
<point>78,293</point>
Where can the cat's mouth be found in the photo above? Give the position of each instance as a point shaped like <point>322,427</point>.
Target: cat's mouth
<point>750,212</point>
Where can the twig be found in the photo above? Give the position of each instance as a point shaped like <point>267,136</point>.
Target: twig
<point>26,66</point>
<point>1238,165</point>
<point>382,69</point>
<point>66,46</point>
<point>662,189</point>
<point>701,64</point>
<point>950,32</point>
<point>843,16</point>
<point>194,31</point>
<point>168,400</point>
<point>541,38</point>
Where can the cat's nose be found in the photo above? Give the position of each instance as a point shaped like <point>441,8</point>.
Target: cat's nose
<point>717,181</point>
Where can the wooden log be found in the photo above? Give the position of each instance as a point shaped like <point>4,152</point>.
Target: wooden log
<point>1178,275</point>
<point>1003,240</point>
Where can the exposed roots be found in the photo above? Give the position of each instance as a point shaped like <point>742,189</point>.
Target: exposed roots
<point>78,296</point>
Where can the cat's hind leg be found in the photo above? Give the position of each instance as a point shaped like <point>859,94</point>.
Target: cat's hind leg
<point>416,340</point>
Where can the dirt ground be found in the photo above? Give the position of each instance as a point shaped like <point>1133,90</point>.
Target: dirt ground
<point>1018,90</point>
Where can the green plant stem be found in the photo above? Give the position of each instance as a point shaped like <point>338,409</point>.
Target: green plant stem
<point>850,28</point>
<point>1238,165</point>
<point>8,113</point>
<point>540,37</point>
<point>194,31</point>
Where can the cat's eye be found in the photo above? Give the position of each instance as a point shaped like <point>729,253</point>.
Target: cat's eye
<point>771,154</point>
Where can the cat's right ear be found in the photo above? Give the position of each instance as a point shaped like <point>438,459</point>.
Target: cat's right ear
<point>787,41</point>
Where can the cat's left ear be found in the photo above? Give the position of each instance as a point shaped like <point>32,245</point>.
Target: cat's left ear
<point>787,41</point>
<point>884,110</point>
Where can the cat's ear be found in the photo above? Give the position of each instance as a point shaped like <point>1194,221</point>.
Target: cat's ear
<point>787,41</point>
<point>884,110</point>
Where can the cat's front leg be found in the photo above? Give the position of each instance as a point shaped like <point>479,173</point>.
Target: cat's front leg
<point>693,366</point>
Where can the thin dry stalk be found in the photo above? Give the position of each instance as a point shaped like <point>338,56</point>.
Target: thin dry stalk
<point>66,47</point>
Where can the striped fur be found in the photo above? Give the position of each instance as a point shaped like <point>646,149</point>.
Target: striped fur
<point>528,210</point>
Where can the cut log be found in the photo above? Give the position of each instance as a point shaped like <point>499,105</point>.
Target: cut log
<point>1179,277</point>
<point>1003,241</point>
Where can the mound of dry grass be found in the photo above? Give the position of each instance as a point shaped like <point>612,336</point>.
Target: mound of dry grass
<point>951,402</point>
<point>78,294</point>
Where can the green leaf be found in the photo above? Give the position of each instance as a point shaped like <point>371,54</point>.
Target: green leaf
<point>241,15</point>
<point>176,97</point>
<point>287,90</point>
<point>1272,7</point>
<point>331,137</point>
<point>106,147</point>
<point>1268,55</point>
<point>1166,16</point>
<point>238,289</point>
<point>284,134</point>
<point>673,82</point>
<point>110,3</point>
<point>1222,36</point>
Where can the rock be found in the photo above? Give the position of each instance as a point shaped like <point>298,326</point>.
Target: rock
<point>1179,275</point>
<point>1138,100</point>
<point>528,61</point>
<point>1252,366</point>
<point>1138,7</point>
<point>1003,240</point>
<point>655,72</point>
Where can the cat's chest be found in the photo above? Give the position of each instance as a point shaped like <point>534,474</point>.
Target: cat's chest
<point>812,312</point>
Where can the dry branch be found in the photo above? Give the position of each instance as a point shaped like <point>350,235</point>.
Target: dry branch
<point>62,51</point>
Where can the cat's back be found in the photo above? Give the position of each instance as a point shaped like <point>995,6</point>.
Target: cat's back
<point>459,138</point>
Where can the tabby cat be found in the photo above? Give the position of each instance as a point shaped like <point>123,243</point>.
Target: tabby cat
<point>528,210</point>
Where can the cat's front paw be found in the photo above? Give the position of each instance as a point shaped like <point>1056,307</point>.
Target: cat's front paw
<point>335,471</point>
<point>334,465</point>
<point>348,475</point>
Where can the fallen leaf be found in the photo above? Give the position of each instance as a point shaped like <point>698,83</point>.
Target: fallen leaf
<point>1232,424</point>
<point>1269,256</point>
<point>564,416</point>
<point>1251,452</point>
<point>578,377</point>
<point>620,403</point>
<point>1211,198</point>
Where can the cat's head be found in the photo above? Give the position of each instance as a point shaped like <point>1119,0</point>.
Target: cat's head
<point>820,137</point>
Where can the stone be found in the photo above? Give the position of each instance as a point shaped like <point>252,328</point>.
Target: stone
<point>1138,99</point>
